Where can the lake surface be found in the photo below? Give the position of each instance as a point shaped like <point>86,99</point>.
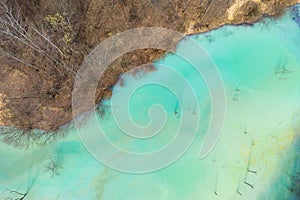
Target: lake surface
<point>257,156</point>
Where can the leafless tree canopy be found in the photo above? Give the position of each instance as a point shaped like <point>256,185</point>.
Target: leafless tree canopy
<point>27,138</point>
<point>34,45</point>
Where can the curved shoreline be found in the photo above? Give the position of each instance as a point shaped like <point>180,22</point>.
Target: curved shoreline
<point>49,118</point>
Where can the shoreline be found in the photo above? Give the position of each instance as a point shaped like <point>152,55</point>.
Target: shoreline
<point>105,91</point>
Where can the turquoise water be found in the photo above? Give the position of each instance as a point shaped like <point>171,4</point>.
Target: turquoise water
<point>262,108</point>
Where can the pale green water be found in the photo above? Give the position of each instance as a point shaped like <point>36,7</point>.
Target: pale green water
<point>266,106</point>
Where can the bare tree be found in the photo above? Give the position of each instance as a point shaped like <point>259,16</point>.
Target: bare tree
<point>53,166</point>
<point>26,138</point>
<point>17,194</point>
<point>21,196</point>
<point>24,41</point>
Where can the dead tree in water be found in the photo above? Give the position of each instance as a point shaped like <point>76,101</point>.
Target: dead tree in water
<point>236,93</point>
<point>17,195</point>
<point>249,160</point>
<point>245,130</point>
<point>176,108</point>
<point>194,110</point>
<point>216,185</point>
<point>282,71</point>
<point>248,167</point>
<point>238,188</point>
<point>53,167</point>
<point>21,195</point>
<point>236,97</point>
